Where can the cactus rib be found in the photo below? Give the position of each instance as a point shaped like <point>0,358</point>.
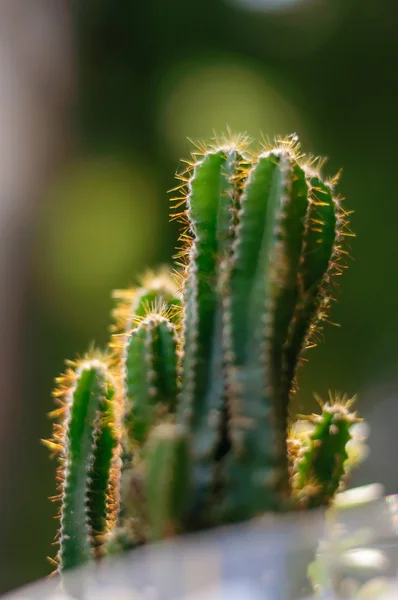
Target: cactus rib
<point>213,189</point>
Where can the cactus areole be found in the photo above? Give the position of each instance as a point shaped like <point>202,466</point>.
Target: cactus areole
<point>183,422</point>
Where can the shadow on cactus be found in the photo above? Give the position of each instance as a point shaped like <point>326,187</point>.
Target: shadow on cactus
<point>183,424</point>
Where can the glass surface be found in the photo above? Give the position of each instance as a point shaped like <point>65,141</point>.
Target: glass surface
<point>348,553</point>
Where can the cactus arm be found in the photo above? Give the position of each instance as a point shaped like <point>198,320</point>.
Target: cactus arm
<point>244,298</point>
<point>321,463</point>
<point>147,301</point>
<point>167,474</point>
<point>323,230</point>
<point>318,262</point>
<point>138,372</point>
<point>211,200</point>
<point>208,187</point>
<point>246,248</point>
<point>292,226</point>
<point>75,535</point>
<point>87,441</point>
<point>150,376</point>
<point>260,301</point>
<point>158,291</point>
<point>165,362</point>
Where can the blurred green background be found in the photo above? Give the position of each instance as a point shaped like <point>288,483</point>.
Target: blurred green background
<point>148,75</point>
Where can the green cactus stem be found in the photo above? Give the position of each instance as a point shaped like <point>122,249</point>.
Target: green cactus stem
<point>326,226</point>
<point>149,376</point>
<point>191,430</point>
<point>158,290</point>
<point>271,298</point>
<point>148,379</point>
<point>86,439</point>
<point>212,191</point>
<point>319,460</point>
<point>260,299</point>
<point>103,492</point>
<point>167,479</point>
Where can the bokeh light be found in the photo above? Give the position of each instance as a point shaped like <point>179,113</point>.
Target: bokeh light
<point>269,5</point>
<point>98,224</point>
<point>289,28</point>
<point>198,99</point>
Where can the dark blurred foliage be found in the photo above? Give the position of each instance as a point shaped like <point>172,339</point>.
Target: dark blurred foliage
<point>327,71</point>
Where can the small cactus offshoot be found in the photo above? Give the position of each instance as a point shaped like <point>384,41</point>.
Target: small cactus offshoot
<point>316,477</point>
<point>185,423</point>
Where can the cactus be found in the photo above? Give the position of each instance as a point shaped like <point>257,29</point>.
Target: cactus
<point>319,459</point>
<point>195,399</point>
<point>167,459</point>
<point>149,376</point>
<point>86,439</point>
<point>157,289</point>
<point>213,188</point>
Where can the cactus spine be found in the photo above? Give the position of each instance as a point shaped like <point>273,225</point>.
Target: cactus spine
<point>203,371</point>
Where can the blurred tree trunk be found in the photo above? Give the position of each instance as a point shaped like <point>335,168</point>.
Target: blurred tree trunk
<point>36,86</point>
